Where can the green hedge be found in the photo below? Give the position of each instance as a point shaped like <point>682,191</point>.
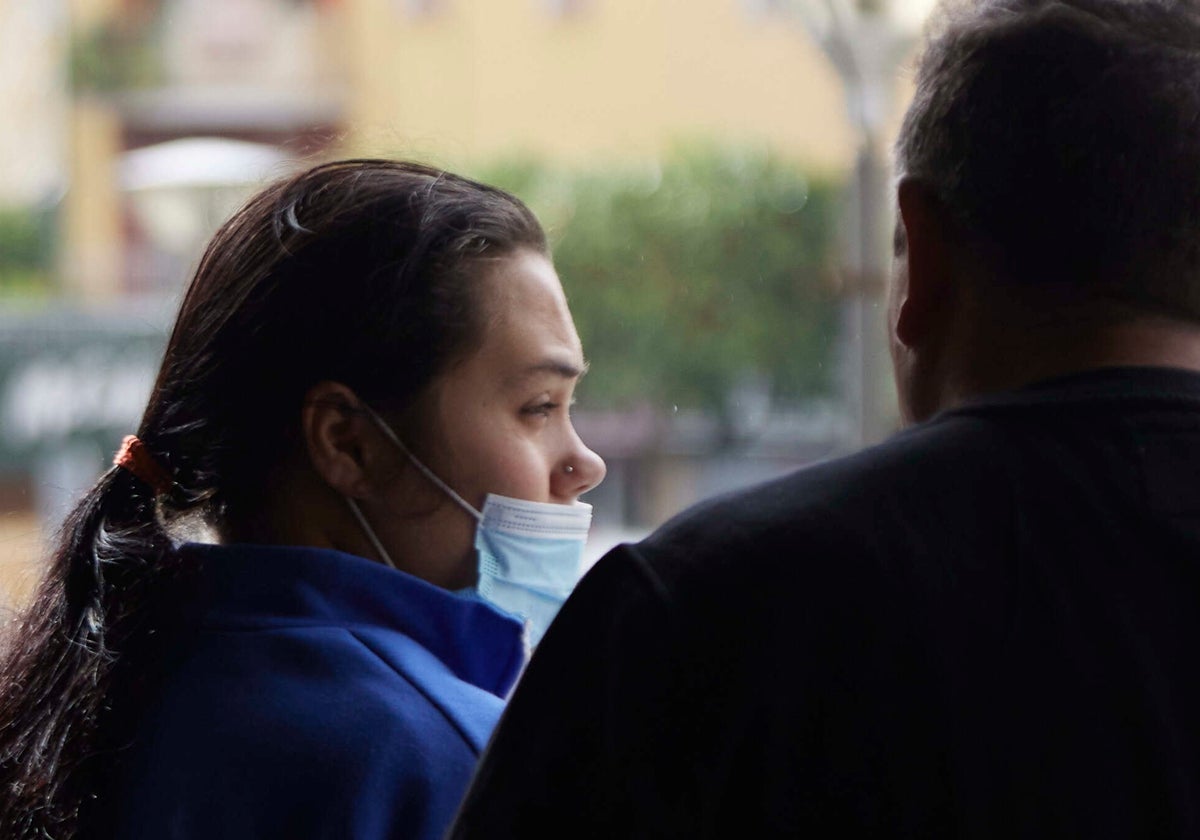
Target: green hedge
<point>688,278</point>
<point>117,55</point>
<point>26,244</point>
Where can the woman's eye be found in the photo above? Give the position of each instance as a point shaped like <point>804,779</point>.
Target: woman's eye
<point>540,409</point>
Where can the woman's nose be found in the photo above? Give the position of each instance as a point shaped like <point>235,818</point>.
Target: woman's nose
<point>579,472</point>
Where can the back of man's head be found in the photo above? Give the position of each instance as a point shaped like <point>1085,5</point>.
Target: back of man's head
<point>1063,139</point>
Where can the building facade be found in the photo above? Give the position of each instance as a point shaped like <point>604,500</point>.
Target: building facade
<point>454,82</point>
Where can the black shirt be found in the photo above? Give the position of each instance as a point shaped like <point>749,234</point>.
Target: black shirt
<point>987,626</point>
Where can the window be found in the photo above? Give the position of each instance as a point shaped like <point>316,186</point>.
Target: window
<point>763,8</point>
<point>419,8</point>
<point>564,8</point>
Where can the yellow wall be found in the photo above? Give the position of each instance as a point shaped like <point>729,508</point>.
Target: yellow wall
<point>21,550</point>
<point>620,79</point>
<point>91,256</point>
<point>85,13</point>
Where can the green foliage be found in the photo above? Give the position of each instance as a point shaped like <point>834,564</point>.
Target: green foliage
<point>689,278</point>
<point>116,55</point>
<point>25,252</point>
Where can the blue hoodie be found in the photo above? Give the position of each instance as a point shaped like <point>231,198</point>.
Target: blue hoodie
<point>315,694</point>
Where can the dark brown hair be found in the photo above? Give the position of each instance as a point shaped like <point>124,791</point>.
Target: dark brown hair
<point>1061,136</point>
<point>359,272</point>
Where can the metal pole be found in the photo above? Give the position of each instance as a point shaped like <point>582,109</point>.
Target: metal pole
<point>866,47</point>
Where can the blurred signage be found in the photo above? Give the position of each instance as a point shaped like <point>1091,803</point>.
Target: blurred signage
<point>72,381</point>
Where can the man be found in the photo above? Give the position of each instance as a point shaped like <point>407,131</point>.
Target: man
<point>988,626</point>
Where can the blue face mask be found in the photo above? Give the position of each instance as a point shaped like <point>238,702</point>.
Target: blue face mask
<point>529,553</point>
<point>529,557</point>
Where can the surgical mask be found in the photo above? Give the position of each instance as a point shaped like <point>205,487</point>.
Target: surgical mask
<point>529,553</point>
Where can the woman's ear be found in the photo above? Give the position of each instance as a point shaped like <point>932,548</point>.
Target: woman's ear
<point>339,444</point>
<point>928,270</point>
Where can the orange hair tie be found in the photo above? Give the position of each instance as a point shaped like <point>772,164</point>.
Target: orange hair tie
<point>134,456</point>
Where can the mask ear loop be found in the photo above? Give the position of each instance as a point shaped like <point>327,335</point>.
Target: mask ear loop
<point>369,531</point>
<point>425,471</point>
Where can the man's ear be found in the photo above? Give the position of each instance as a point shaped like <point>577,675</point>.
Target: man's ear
<point>337,438</point>
<point>929,264</point>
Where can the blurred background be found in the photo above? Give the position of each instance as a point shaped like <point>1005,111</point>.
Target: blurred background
<point>713,175</point>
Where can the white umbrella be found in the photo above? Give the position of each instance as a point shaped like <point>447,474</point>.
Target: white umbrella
<point>200,162</point>
<point>181,190</point>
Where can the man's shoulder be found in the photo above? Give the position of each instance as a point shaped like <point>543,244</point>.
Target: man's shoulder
<point>953,463</point>
<point>940,514</point>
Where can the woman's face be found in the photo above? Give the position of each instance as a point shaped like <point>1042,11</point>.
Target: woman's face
<point>497,422</point>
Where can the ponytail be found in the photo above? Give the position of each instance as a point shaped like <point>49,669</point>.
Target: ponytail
<point>59,671</point>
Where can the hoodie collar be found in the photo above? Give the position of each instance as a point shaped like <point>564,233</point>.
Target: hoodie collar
<point>260,586</point>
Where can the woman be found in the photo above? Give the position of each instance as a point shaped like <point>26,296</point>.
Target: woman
<point>372,367</point>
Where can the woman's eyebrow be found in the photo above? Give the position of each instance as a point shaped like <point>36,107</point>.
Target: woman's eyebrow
<point>557,367</point>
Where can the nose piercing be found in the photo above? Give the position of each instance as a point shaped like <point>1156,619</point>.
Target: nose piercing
<point>568,469</point>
